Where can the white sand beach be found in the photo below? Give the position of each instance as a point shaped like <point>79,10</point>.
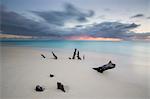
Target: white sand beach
<point>22,68</point>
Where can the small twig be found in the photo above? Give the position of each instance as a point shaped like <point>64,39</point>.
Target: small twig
<point>55,57</point>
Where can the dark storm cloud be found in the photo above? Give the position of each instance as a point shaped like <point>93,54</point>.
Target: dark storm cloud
<point>111,29</point>
<point>142,35</point>
<point>15,23</point>
<point>69,13</point>
<point>137,16</point>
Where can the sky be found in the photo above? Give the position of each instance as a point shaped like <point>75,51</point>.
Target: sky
<point>76,19</point>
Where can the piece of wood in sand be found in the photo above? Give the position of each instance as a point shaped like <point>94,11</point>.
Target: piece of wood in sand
<point>74,54</point>
<point>60,86</point>
<point>51,75</point>
<point>101,69</point>
<point>39,88</point>
<point>78,55</point>
<point>83,57</point>
<point>43,56</point>
<point>55,57</point>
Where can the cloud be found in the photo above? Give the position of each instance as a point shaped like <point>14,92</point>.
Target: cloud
<point>115,30</point>
<point>110,30</point>
<point>14,23</point>
<point>107,9</point>
<point>137,16</point>
<point>140,16</point>
<point>148,17</point>
<point>79,26</point>
<point>70,12</point>
<point>141,36</point>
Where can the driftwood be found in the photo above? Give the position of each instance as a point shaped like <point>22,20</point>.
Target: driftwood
<point>78,55</point>
<point>101,69</point>
<point>83,57</point>
<point>74,54</point>
<point>55,57</point>
<point>43,56</point>
<point>60,86</point>
<point>51,75</point>
<point>39,88</point>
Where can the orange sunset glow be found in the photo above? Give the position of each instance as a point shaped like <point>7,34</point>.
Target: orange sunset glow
<point>93,38</point>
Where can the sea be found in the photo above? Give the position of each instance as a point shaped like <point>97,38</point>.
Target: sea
<point>138,48</point>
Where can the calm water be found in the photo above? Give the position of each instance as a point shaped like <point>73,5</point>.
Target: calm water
<point>140,49</point>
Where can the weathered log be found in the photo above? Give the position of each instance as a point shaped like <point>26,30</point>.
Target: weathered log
<point>60,86</point>
<point>51,75</point>
<point>101,69</point>
<point>55,57</point>
<point>78,55</point>
<point>39,88</point>
<point>43,56</point>
<point>74,54</point>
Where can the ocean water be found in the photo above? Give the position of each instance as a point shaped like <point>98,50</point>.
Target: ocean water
<point>123,47</point>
